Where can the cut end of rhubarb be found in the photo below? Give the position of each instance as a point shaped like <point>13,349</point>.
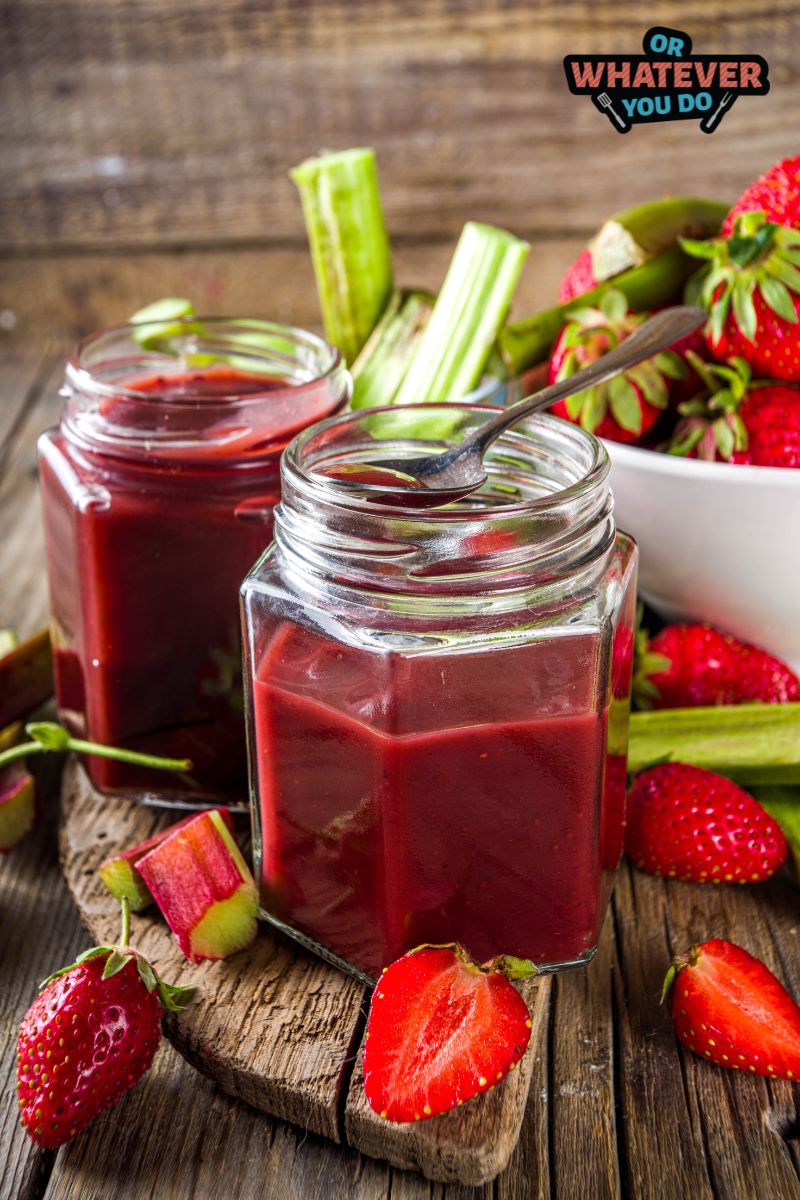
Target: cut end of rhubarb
<point>125,883</point>
<point>17,806</point>
<point>203,886</point>
<point>121,875</point>
<point>228,926</point>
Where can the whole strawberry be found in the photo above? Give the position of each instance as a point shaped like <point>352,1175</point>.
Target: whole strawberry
<point>626,407</point>
<point>688,823</point>
<point>728,1007</point>
<point>87,1038</point>
<point>751,289</point>
<point>441,1030</point>
<point>733,418</point>
<point>771,417</point>
<point>776,193</point>
<point>697,665</point>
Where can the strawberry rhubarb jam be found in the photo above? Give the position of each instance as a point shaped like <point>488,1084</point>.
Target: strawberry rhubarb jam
<point>438,701</point>
<point>158,490</point>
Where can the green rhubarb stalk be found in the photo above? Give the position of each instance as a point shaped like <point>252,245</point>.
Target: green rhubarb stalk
<point>753,744</point>
<point>469,311</point>
<point>380,367</point>
<point>47,735</point>
<point>349,244</point>
<point>783,804</point>
<point>652,285</point>
<point>631,238</point>
<point>160,321</point>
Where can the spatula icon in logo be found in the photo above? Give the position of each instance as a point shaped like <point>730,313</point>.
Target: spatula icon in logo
<point>603,101</point>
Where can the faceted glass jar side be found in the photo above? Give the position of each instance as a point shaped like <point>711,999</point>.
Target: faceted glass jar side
<point>158,488</point>
<point>429,762</point>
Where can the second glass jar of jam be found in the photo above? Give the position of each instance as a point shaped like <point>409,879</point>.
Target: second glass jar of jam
<point>158,490</point>
<point>438,697</point>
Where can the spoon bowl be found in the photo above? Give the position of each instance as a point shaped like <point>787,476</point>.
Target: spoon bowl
<point>433,479</point>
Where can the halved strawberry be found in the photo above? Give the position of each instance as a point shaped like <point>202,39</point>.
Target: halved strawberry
<point>728,1007</point>
<point>441,1030</point>
<point>688,823</point>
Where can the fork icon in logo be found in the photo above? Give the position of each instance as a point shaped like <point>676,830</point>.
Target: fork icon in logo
<point>603,102</point>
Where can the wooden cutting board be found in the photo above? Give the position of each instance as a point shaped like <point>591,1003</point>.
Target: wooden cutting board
<point>278,1027</point>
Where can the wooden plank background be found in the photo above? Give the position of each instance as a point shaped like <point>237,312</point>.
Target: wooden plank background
<point>128,127</point>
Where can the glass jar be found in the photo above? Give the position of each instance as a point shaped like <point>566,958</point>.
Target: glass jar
<point>438,698</point>
<point>158,489</point>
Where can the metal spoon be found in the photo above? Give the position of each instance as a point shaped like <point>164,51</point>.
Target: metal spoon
<point>459,471</point>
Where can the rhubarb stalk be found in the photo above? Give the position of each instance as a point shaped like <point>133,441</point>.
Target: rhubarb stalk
<point>652,285</point>
<point>753,744</point>
<point>462,329</point>
<point>380,367</point>
<point>349,244</point>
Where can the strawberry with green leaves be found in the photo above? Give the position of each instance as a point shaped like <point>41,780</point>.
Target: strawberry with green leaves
<point>738,420</point>
<point>88,1037</point>
<point>690,665</point>
<point>441,1030</point>
<point>624,408</point>
<point>684,822</point>
<point>750,286</point>
<point>776,193</point>
<point>728,1007</point>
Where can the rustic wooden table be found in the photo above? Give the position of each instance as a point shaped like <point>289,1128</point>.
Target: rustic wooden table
<point>616,1108</point>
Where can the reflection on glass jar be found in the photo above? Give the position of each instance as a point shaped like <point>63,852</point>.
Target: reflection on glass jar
<point>158,490</point>
<point>430,695</point>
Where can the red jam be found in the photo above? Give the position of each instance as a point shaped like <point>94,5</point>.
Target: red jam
<point>146,551</point>
<point>403,801</point>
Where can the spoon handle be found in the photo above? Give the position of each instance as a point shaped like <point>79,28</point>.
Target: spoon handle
<point>656,334</point>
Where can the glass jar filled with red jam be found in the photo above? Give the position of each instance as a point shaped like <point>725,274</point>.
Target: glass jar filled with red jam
<point>438,697</point>
<point>159,486</point>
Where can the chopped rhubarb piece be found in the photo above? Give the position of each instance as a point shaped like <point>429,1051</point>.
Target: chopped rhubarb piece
<point>121,875</point>
<point>17,806</point>
<point>26,676</point>
<point>200,881</point>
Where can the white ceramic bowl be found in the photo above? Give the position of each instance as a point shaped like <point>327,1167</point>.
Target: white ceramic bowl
<point>718,543</point>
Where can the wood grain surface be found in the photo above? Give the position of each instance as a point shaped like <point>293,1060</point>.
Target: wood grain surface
<point>276,1026</point>
<point>174,122</point>
<point>66,297</point>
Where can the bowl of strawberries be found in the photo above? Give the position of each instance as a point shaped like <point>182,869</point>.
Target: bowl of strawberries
<point>704,439</point>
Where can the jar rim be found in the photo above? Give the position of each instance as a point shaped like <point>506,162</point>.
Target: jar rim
<point>84,378</point>
<point>337,491</point>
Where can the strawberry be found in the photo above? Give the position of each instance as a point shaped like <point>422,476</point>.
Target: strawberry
<point>578,278</point>
<point>689,823</point>
<point>626,407</point>
<point>776,193</point>
<point>699,665</point>
<point>442,1030</point>
<point>771,417</point>
<point>751,288</point>
<point>728,1007</point>
<point>88,1037</point>
<point>738,420</point>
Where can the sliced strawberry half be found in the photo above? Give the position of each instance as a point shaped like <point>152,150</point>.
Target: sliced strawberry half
<point>441,1030</point>
<point>728,1007</point>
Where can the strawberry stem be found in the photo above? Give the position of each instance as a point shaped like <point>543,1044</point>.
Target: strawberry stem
<point>126,922</point>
